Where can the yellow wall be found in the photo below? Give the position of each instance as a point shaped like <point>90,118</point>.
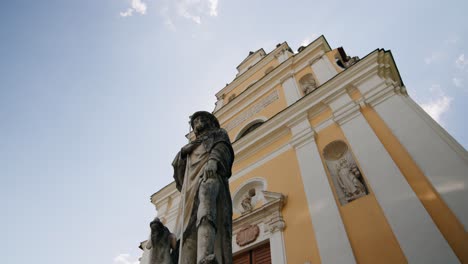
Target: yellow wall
<point>283,176</point>
<point>243,162</point>
<point>370,235</point>
<point>443,217</point>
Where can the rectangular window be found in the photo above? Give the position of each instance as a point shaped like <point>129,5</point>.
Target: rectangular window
<point>258,255</point>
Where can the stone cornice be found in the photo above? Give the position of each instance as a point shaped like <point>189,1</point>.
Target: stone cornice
<point>163,194</point>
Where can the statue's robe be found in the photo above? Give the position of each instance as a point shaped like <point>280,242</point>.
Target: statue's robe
<point>188,172</point>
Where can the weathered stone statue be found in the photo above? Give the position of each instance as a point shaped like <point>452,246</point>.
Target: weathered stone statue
<point>161,243</point>
<point>201,171</point>
<point>348,181</point>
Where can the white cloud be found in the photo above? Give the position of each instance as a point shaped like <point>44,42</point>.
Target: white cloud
<point>438,105</point>
<point>136,6</point>
<point>457,81</point>
<point>213,7</point>
<point>167,19</point>
<point>193,10</point>
<point>127,13</point>
<point>189,9</point>
<point>125,259</point>
<point>461,62</point>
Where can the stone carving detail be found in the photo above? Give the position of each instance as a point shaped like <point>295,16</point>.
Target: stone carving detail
<point>347,179</point>
<point>307,83</point>
<point>247,235</point>
<point>247,201</point>
<point>253,110</point>
<point>351,61</point>
<point>249,196</point>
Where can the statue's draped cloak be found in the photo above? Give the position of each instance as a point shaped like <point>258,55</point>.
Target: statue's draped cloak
<point>188,172</point>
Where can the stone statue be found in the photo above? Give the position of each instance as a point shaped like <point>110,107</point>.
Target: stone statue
<point>348,181</point>
<point>161,243</point>
<point>201,171</point>
<point>308,84</point>
<point>247,201</point>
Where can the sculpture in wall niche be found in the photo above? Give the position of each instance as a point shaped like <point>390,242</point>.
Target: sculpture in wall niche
<point>248,196</point>
<point>307,83</point>
<point>247,201</point>
<point>347,179</point>
<point>204,220</point>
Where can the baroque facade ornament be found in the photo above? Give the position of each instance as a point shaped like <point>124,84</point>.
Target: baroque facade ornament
<point>247,235</point>
<point>347,179</point>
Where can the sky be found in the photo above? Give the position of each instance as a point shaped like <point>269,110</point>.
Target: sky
<point>95,98</point>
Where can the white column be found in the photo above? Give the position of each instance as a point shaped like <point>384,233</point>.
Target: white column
<point>437,154</point>
<point>330,233</point>
<point>323,69</point>
<point>418,236</point>
<point>291,92</point>
<point>277,250</point>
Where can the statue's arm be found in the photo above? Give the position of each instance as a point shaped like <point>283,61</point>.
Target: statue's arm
<point>222,154</point>
<point>179,164</point>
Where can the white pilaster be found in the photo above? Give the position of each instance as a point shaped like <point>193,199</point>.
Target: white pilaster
<point>437,154</point>
<point>277,250</point>
<point>418,236</point>
<point>330,233</point>
<point>291,92</point>
<point>323,69</point>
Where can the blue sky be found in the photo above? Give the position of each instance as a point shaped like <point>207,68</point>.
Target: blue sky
<point>95,98</point>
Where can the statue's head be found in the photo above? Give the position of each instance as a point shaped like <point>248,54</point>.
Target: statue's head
<point>203,121</point>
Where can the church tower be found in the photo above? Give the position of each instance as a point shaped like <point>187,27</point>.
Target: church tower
<point>335,163</point>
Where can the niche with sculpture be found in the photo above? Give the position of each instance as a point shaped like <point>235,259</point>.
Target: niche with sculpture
<point>307,83</point>
<point>346,176</point>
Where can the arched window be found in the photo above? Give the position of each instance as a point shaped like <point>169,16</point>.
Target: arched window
<point>250,128</point>
<point>307,83</point>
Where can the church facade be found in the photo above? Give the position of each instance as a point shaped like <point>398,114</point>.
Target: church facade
<point>335,163</point>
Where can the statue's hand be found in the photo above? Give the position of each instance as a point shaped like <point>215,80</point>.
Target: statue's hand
<point>210,170</point>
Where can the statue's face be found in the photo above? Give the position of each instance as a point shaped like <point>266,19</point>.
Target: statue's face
<point>201,124</point>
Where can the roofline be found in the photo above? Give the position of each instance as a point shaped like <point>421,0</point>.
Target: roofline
<point>229,87</point>
<point>251,55</point>
<point>237,78</point>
